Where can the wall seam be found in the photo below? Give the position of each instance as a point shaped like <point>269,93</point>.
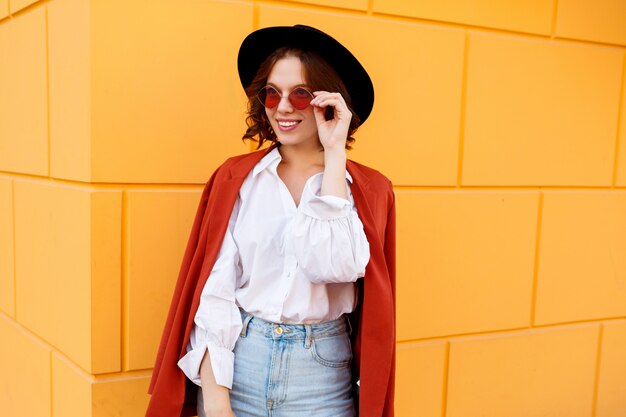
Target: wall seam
<point>462,110</point>
<point>27,9</point>
<point>492,30</point>
<point>596,379</point>
<point>124,325</point>
<point>48,86</point>
<point>315,7</point>
<point>51,386</point>
<point>555,11</point>
<point>255,26</point>
<point>14,249</point>
<point>190,186</point>
<point>446,378</point>
<point>535,282</point>
<point>406,19</point>
<point>509,331</point>
<point>620,105</point>
<point>255,15</point>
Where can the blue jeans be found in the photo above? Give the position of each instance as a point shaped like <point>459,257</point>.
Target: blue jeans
<point>291,370</point>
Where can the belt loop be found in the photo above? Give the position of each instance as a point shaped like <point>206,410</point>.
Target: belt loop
<point>349,325</point>
<point>246,321</point>
<point>308,337</point>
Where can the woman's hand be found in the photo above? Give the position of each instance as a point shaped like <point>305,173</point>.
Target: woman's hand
<point>217,411</point>
<point>216,399</point>
<point>334,132</point>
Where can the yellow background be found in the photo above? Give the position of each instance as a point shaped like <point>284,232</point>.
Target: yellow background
<point>500,123</point>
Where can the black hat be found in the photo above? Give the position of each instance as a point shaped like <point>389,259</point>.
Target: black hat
<point>262,43</point>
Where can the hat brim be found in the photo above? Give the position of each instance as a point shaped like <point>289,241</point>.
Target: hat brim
<point>260,44</point>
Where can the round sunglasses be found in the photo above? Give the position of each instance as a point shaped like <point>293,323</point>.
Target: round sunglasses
<point>299,97</point>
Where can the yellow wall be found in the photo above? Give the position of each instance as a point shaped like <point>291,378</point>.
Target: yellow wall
<point>501,124</point>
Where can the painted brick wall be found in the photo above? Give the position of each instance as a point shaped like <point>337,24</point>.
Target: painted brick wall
<point>501,125</point>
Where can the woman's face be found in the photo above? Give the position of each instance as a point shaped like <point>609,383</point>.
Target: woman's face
<point>292,126</point>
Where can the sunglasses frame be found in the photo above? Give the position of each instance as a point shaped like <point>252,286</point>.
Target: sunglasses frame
<point>267,87</point>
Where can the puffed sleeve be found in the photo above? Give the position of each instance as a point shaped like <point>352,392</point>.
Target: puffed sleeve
<point>217,322</point>
<point>329,241</point>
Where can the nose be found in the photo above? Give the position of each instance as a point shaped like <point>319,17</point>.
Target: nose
<point>284,105</point>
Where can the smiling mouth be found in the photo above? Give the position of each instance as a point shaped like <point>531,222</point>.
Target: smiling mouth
<point>288,124</point>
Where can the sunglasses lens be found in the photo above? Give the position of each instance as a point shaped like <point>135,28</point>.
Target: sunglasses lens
<point>269,97</point>
<point>300,98</point>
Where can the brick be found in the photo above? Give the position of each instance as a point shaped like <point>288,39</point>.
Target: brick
<point>516,15</point>
<point>418,91</point>
<point>191,103</point>
<point>23,102</point>
<point>548,105</point>
<point>598,20</point>
<point>68,270</point>
<point>71,389</point>
<point>25,376</point>
<point>7,252</point>
<point>465,261</point>
<point>69,44</point>
<point>152,278</point>
<point>419,379</point>
<point>582,270</point>
<point>612,383</point>
<point>347,4</point>
<point>535,373</point>
<point>124,396</point>
<point>78,394</point>
<point>105,256</point>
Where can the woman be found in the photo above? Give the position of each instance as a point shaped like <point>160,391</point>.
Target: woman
<point>287,243</point>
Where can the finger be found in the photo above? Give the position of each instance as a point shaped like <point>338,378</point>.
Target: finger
<point>318,112</point>
<point>339,106</point>
<point>321,96</point>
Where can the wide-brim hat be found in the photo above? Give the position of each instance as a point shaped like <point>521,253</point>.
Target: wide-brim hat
<point>260,44</point>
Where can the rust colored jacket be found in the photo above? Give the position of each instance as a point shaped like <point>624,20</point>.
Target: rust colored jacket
<point>373,338</point>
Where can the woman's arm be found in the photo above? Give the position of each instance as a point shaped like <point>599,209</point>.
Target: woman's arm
<point>216,397</point>
<point>333,134</point>
<point>209,360</point>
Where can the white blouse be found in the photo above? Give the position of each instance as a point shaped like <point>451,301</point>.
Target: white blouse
<point>278,261</point>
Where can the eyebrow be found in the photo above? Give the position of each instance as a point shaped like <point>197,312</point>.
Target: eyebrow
<point>292,88</point>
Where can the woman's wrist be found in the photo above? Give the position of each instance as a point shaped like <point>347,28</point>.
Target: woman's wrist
<point>216,400</point>
<point>334,180</point>
<point>336,154</point>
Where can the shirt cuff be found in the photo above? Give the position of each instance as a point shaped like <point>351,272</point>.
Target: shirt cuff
<point>222,363</point>
<point>324,207</point>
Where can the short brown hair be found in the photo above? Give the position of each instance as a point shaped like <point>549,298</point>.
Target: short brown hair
<point>318,74</point>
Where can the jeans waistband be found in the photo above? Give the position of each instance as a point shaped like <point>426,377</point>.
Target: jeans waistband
<point>293,331</point>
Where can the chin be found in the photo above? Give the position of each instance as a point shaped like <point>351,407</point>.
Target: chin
<point>290,140</point>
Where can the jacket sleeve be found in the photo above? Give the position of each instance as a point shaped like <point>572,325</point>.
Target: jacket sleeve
<point>217,322</point>
<point>329,240</point>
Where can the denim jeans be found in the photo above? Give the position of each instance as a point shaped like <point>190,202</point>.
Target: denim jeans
<point>291,370</point>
